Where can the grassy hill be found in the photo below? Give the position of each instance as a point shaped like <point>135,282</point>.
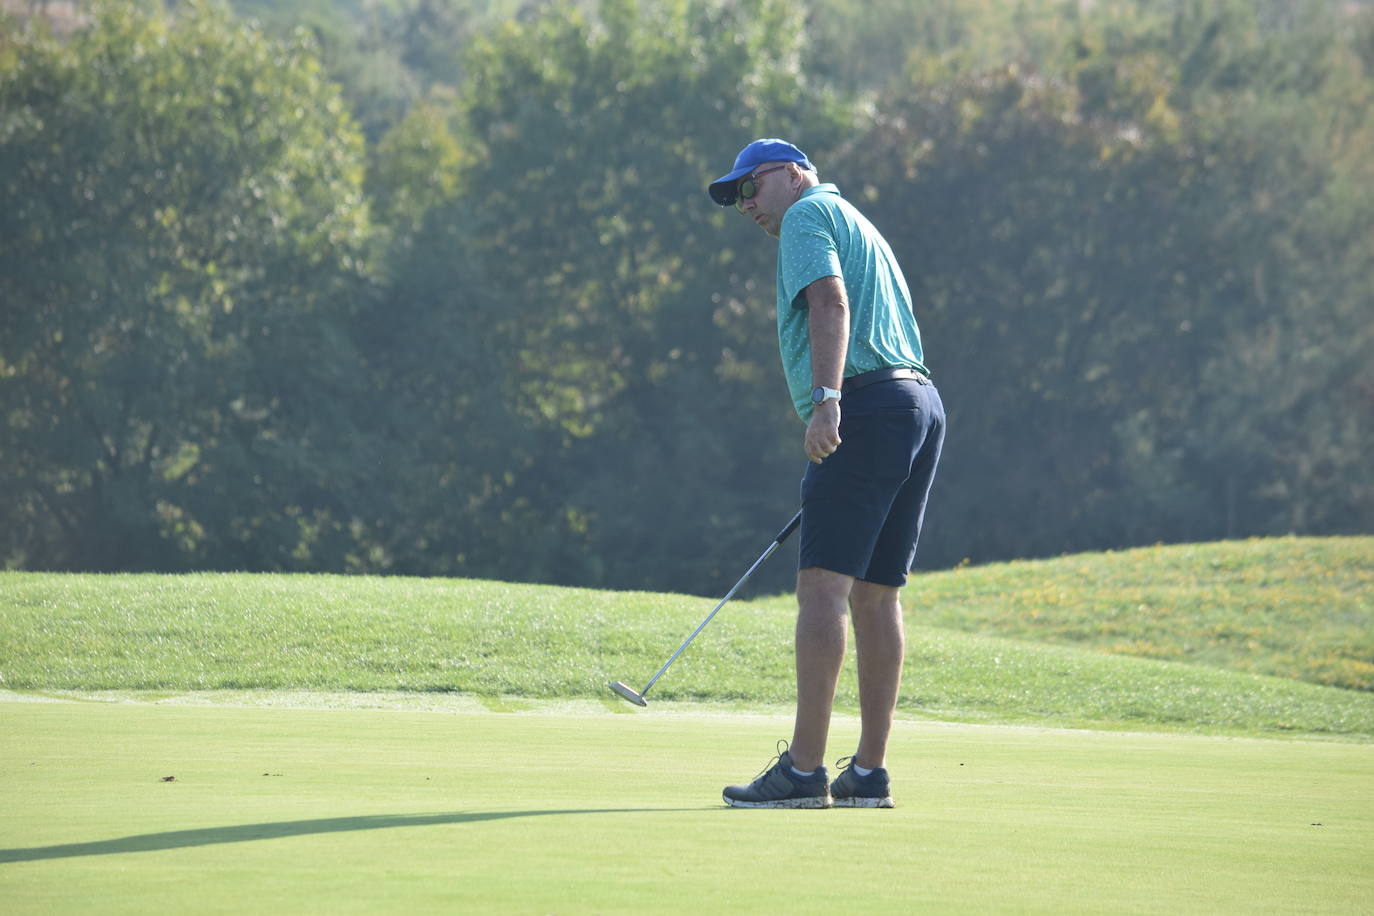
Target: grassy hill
<point>1259,637</point>
<point>1291,607</point>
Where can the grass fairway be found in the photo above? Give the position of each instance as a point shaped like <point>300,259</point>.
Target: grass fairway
<point>577,809</point>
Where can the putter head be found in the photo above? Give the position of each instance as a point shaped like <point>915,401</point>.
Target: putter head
<point>628,694</point>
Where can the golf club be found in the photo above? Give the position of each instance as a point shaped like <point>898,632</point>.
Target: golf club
<point>628,693</point>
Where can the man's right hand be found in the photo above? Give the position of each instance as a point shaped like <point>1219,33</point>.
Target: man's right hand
<point>823,432</point>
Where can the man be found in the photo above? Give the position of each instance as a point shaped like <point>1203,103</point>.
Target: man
<point>852,354</point>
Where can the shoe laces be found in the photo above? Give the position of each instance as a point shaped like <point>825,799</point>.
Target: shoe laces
<point>845,763</point>
<point>782,748</point>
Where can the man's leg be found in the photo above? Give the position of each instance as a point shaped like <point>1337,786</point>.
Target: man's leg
<point>880,643</point>
<point>822,625</point>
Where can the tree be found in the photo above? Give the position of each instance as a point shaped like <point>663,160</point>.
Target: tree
<point>1142,286</point>
<point>1273,408</point>
<point>621,319</point>
<point>185,237</point>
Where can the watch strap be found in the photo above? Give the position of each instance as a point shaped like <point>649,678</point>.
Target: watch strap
<point>820,394</point>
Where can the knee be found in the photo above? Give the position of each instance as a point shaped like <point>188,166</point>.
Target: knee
<point>823,589</point>
<point>876,602</point>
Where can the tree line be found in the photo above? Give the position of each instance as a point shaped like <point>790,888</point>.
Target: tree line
<point>439,291</point>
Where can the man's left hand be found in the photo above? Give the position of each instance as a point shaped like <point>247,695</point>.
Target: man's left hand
<point>823,432</point>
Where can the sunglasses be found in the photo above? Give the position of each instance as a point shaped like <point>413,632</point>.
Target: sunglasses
<point>750,185</point>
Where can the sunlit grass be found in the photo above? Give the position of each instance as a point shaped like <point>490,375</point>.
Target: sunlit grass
<point>1079,623</point>
<point>1299,608</point>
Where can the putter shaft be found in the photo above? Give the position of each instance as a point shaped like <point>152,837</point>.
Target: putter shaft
<point>782,536</point>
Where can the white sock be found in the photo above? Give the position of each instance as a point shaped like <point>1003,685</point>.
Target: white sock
<point>862,771</point>
<point>800,773</point>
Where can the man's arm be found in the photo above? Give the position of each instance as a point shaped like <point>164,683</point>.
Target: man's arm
<point>828,327</point>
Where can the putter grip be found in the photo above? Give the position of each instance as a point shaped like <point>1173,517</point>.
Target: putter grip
<point>791,526</point>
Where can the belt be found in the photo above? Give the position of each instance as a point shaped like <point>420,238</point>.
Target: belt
<point>854,383</point>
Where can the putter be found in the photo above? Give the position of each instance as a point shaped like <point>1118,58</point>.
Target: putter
<point>628,692</point>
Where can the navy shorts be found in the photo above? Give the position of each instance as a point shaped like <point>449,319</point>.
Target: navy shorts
<point>863,506</point>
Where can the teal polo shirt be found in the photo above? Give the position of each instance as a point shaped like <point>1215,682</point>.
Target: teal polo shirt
<point>823,235</point>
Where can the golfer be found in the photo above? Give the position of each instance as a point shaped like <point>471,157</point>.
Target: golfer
<point>852,354</point>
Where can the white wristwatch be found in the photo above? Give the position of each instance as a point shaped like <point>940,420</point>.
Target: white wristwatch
<point>822,394</point>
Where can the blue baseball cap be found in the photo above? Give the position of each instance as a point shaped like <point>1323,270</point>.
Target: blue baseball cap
<point>724,190</point>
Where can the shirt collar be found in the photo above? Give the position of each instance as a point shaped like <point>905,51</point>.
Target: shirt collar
<point>821,189</point>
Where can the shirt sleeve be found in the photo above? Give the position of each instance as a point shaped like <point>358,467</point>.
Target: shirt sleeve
<point>807,251</point>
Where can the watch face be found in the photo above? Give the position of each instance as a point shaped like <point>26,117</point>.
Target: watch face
<point>817,395</point>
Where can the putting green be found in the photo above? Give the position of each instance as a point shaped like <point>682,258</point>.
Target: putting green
<point>580,810</point>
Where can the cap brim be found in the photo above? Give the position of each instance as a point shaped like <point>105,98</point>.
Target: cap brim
<point>725,190</point>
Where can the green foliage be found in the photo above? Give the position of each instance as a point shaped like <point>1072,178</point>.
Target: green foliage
<point>525,345</point>
<point>631,324</point>
<point>185,231</point>
<point>387,55</point>
<point>1150,297</point>
<point>416,168</point>
<point>870,46</point>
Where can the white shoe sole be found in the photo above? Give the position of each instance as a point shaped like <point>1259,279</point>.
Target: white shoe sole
<point>864,802</point>
<point>819,801</point>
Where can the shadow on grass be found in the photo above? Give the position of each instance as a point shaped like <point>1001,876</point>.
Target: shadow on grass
<point>210,836</point>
